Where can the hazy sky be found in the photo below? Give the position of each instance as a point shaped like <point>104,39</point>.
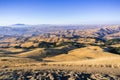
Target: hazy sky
<point>59,11</point>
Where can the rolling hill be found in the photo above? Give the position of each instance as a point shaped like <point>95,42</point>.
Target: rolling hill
<point>87,53</point>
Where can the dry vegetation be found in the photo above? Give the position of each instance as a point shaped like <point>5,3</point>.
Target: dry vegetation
<point>91,59</point>
<point>69,58</point>
<point>90,52</point>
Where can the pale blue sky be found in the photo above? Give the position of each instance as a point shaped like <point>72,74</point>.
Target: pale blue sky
<point>59,12</point>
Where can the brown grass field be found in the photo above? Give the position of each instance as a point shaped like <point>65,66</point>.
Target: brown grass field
<point>91,59</point>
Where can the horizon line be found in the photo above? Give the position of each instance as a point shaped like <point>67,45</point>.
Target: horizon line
<point>61,24</point>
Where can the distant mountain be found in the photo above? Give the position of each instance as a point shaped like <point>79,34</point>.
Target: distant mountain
<point>19,25</point>
<point>101,31</point>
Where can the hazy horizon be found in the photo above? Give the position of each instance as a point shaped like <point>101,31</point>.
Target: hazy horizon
<point>22,24</point>
<point>59,12</point>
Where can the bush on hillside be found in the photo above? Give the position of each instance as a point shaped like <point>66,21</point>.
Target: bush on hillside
<point>112,41</point>
<point>115,50</point>
<point>46,44</point>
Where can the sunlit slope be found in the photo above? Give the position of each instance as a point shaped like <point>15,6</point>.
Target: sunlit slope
<point>6,52</point>
<point>87,53</point>
<point>34,54</point>
<point>39,53</point>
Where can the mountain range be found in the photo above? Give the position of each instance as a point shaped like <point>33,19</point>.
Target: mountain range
<point>100,31</point>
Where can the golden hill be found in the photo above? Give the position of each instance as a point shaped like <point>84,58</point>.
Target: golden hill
<point>39,53</point>
<point>90,52</point>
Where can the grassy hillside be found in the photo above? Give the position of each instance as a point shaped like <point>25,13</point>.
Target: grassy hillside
<point>90,52</point>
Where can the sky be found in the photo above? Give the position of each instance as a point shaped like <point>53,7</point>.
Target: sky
<point>59,12</point>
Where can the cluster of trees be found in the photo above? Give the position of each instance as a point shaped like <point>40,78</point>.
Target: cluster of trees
<point>115,50</point>
<point>112,49</point>
<point>58,44</point>
<point>112,41</point>
<point>47,44</point>
<point>78,45</point>
<point>44,44</point>
<point>40,45</point>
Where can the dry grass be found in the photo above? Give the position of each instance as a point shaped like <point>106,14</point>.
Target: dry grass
<point>89,59</point>
<point>91,52</point>
<point>116,45</point>
<point>11,50</point>
<point>14,50</point>
<point>36,52</point>
<point>89,66</point>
